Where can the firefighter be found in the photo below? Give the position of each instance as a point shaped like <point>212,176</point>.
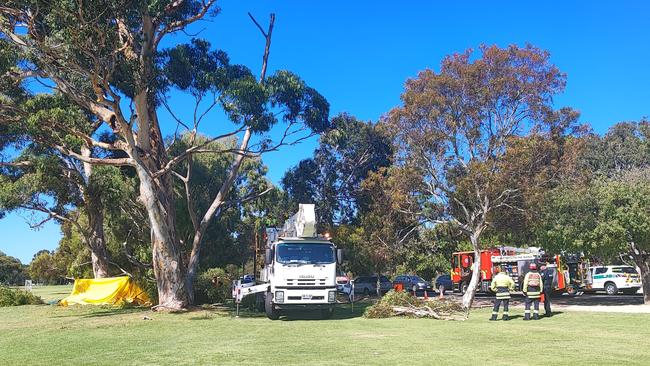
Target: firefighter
<point>547,279</point>
<point>533,290</point>
<point>501,284</point>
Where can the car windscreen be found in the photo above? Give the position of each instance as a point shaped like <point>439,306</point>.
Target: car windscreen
<point>629,270</point>
<point>305,253</point>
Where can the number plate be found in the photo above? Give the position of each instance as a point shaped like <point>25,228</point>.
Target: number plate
<point>306,296</point>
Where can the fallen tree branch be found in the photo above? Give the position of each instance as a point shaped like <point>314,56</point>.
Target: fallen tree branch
<point>424,312</point>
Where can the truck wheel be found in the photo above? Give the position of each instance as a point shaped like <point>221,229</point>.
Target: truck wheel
<point>463,288</point>
<point>326,313</point>
<point>271,312</point>
<point>610,288</point>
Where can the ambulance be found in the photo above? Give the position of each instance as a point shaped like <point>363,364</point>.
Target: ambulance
<point>613,279</point>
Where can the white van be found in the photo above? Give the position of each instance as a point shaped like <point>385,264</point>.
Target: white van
<point>613,279</point>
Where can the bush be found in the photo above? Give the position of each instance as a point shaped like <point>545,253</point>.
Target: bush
<point>11,297</point>
<point>212,286</point>
<point>384,307</point>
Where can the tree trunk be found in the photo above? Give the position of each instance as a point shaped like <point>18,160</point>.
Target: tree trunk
<point>95,238</point>
<point>166,249</point>
<point>213,212</point>
<point>644,267</point>
<point>468,297</point>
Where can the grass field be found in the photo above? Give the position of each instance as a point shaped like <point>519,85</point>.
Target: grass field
<point>52,335</point>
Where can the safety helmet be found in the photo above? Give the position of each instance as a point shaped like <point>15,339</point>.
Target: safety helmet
<point>533,266</point>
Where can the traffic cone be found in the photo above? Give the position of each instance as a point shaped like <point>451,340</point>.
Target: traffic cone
<point>426,294</point>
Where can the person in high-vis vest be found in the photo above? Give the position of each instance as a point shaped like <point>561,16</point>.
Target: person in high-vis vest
<point>501,284</point>
<point>533,290</point>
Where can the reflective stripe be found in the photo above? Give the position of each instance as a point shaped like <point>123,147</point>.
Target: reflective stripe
<point>527,311</point>
<point>495,312</point>
<point>505,313</point>
<point>536,311</point>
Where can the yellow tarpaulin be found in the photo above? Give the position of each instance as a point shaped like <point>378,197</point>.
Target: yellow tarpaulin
<point>106,291</point>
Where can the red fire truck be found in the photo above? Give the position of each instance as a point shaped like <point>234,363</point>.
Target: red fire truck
<point>570,271</point>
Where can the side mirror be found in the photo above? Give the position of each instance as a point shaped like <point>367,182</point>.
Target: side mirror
<point>339,256</point>
<point>267,257</point>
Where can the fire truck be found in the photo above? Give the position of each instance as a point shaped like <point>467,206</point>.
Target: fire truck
<point>570,271</point>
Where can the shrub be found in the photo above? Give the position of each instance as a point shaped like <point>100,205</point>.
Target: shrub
<point>212,286</point>
<point>11,297</point>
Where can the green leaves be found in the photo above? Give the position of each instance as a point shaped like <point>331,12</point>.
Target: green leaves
<point>300,101</point>
<point>602,219</point>
<point>200,71</point>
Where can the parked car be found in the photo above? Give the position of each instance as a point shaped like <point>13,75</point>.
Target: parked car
<point>412,283</point>
<point>342,280</point>
<point>444,283</point>
<point>613,279</point>
<point>368,285</point>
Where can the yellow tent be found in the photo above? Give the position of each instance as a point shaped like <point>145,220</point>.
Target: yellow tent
<point>106,291</point>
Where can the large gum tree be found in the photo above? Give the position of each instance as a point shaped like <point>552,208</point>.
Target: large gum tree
<point>105,57</point>
<point>453,130</point>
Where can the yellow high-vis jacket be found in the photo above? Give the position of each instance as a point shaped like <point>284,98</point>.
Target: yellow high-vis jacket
<point>502,284</point>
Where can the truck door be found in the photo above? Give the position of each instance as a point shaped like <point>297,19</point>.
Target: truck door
<point>466,261</point>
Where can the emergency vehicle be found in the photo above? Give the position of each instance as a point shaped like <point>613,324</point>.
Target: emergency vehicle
<point>569,271</point>
<point>613,279</point>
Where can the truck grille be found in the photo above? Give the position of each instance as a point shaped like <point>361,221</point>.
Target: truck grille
<point>300,298</point>
<point>306,282</point>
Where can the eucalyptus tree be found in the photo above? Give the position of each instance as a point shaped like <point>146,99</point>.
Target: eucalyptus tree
<point>452,131</point>
<point>106,58</point>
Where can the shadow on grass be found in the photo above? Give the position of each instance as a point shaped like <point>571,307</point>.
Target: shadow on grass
<point>521,317</point>
<point>103,312</point>
<point>341,312</point>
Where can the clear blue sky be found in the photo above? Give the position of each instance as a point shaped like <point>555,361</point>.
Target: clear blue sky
<point>359,53</point>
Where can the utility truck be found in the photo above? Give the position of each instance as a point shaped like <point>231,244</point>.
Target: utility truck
<point>299,268</point>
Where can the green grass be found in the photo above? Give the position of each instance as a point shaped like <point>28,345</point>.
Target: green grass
<point>49,335</point>
<point>49,294</point>
<point>52,293</point>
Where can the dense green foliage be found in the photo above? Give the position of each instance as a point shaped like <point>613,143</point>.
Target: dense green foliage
<point>213,286</point>
<point>12,272</point>
<point>12,297</point>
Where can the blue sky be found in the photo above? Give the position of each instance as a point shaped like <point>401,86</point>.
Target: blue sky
<point>359,53</point>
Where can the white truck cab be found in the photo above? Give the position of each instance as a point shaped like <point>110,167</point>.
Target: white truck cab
<point>299,268</point>
<point>613,279</point>
<point>301,273</point>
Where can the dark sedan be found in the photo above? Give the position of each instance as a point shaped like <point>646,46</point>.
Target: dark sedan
<point>444,283</point>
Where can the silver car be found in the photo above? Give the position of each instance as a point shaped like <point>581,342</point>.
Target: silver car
<point>367,285</point>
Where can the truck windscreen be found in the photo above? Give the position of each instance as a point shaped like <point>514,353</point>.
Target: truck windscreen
<point>307,253</point>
